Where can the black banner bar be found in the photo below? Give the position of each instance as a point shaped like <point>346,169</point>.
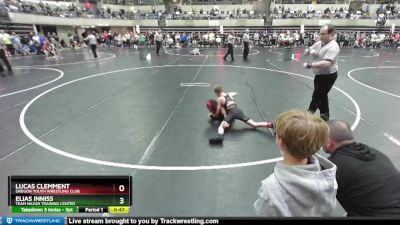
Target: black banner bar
<point>211,220</point>
<point>139,221</point>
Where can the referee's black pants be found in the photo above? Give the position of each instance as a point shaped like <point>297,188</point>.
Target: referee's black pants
<point>4,58</point>
<point>230,51</point>
<point>158,44</point>
<point>322,86</point>
<point>93,47</point>
<point>246,50</point>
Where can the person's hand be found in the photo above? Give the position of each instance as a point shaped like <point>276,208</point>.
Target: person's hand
<point>307,65</point>
<point>210,119</point>
<point>307,52</point>
<point>313,52</point>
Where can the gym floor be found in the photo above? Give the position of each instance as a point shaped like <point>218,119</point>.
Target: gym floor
<point>124,115</point>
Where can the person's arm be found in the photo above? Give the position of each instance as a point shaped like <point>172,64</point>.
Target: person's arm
<point>320,64</point>
<point>311,50</point>
<point>264,207</point>
<point>329,57</point>
<point>219,106</point>
<point>223,112</point>
<point>232,94</point>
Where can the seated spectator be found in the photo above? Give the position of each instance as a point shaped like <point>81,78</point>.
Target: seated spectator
<point>63,44</point>
<point>177,40</point>
<point>170,41</point>
<point>396,40</point>
<point>183,39</point>
<point>368,182</point>
<point>304,183</point>
<point>195,51</point>
<point>357,44</point>
<point>256,38</point>
<point>50,51</point>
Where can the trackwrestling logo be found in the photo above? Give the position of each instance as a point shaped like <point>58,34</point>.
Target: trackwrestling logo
<point>33,220</point>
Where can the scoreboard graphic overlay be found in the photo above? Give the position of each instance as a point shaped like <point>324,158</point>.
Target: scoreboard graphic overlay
<point>69,194</point>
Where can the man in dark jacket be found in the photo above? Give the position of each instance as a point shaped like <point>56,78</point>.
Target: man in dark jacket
<point>369,184</point>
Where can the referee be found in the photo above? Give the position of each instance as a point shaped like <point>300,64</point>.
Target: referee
<point>231,42</point>
<point>325,68</point>
<point>246,42</point>
<point>92,41</point>
<point>158,37</point>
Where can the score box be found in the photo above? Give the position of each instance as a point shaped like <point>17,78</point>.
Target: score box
<point>66,192</point>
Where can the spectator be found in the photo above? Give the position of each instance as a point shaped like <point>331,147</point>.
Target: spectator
<point>50,50</point>
<point>3,53</point>
<point>368,182</point>
<point>304,183</point>
<point>105,39</point>
<point>7,42</point>
<point>184,39</point>
<point>16,40</point>
<point>63,44</point>
<point>246,44</point>
<point>256,38</point>
<point>211,37</point>
<point>142,40</point>
<point>35,48</point>
<point>396,40</point>
<point>218,41</point>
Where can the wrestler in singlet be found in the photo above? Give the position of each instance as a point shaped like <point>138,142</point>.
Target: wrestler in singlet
<point>233,111</point>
